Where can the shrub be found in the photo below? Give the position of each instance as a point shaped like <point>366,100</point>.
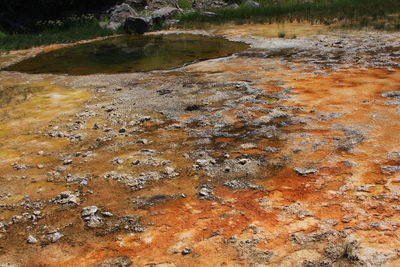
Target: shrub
<point>184,4</point>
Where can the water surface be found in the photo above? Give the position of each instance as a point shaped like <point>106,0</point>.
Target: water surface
<point>129,54</point>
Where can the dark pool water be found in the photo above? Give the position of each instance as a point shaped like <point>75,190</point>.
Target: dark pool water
<point>129,54</point>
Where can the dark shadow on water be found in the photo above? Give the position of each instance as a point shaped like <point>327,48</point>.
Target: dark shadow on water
<point>129,54</point>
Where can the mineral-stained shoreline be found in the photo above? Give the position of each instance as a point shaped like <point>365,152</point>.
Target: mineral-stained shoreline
<point>286,154</point>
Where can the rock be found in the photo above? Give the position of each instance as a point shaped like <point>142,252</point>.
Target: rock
<point>186,251</point>
<point>117,161</point>
<point>248,146</point>
<point>54,236</point>
<point>240,185</point>
<point>164,13</point>
<point>143,179</point>
<point>67,161</point>
<point>143,141</point>
<point>250,3</point>
<point>364,188</point>
<point>107,214</point>
<point>353,138</point>
<point>170,172</point>
<point>76,178</point>
<point>67,198</point>
<point>206,192</point>
<point>137,25</point>
<point>392,94</point>
<point>119,14</point>
<point>89,211</point>
<point>390,168</point>
<point>22,167</point>
<point>271,149</point>
<point>145,202</point>
<point>121,261</point>
<point>2,227</point>
<point>31,240</point>
<point>347,218</point>
<point>57,134</point>
<point>88,214</point>
<point>306,170</point>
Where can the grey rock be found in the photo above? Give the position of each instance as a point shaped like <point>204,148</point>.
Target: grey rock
<point>54,236</point>
<point>119,14</point>
<point>143,179</point>
<point>67,162</point>
<point>250,3</point>
<point>22,167</point>
<point>271,149</point>
<point>31,240</point>
<point>170,172</point>
<point>165,13</point>
<point>117,161</point>
<point>186,251</point>
<point>89,211</point>
<point>305,170</point>
<point>206,193</point>
<point>202,162</point>
<point>353,138</point>
<point>88,214</point>
<point>145,202</point>
<point>388,168</point>
<point>107,214</point>
<point>240,185</point>
<point>393,102</point>
<point>68,198</point>
<point>392,94</point>
<point>364,188</point>
<point>2,227</point>
<point>57,134</point>
<point>121,261</point>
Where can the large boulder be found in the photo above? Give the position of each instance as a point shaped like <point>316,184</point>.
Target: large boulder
<point>137,25</point>
<point>165,12</point>
<point>162,14</point>
<point>119,14</point>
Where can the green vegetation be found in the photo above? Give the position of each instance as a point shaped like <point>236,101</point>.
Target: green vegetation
<point>185,4</point>
<point>357,12</point>
<point>53,32</point>
<point>281,35</point>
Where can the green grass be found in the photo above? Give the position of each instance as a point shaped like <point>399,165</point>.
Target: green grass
<point>317,11</point>
<point>185,4</point>
<point>52,35</point>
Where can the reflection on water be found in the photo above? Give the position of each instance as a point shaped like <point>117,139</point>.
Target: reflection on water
<point>129,53</point>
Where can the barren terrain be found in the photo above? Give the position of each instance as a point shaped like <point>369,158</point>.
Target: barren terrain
<point>286,154</point>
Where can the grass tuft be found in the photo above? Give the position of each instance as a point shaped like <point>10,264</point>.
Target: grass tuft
<point>185,4</point>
